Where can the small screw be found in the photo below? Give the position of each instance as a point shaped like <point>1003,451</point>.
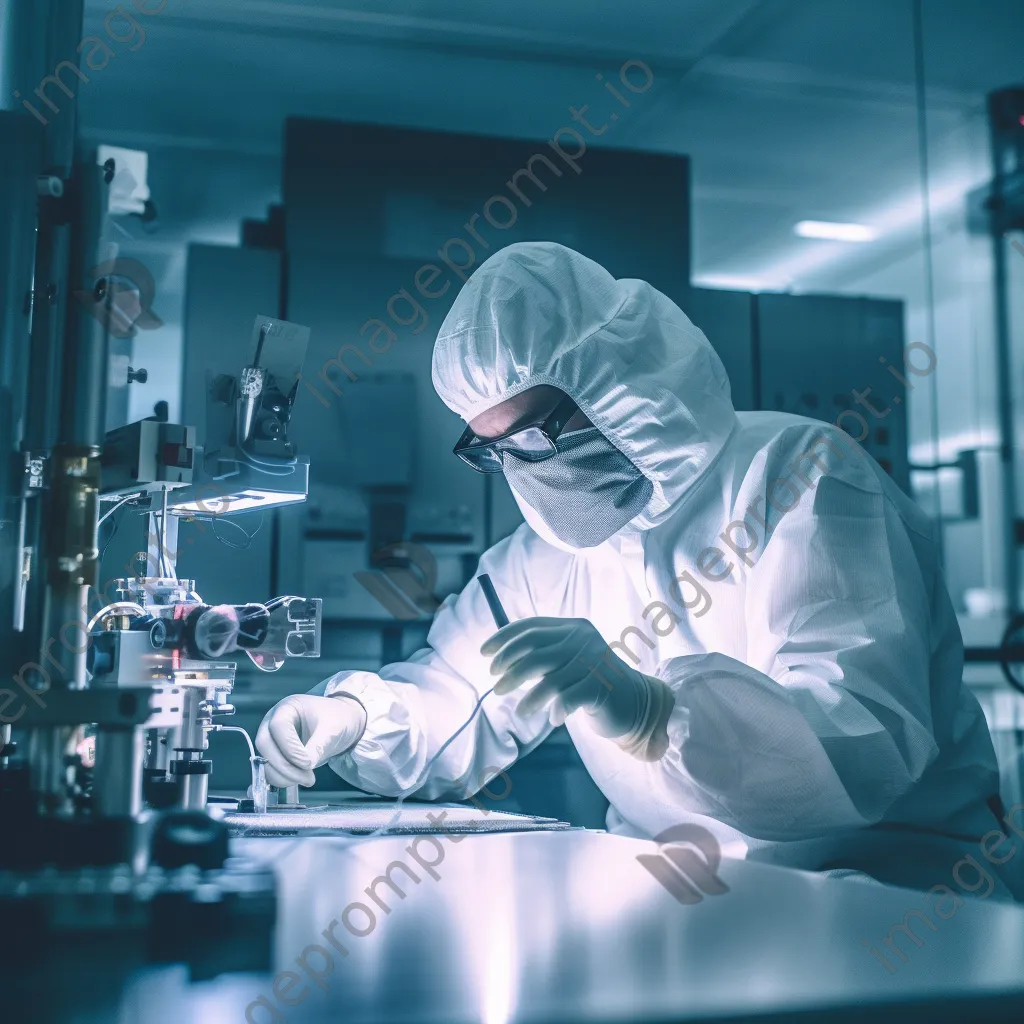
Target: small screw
<point>139,376</point>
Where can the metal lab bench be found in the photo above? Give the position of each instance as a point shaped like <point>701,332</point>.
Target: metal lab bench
<point>569,926</point>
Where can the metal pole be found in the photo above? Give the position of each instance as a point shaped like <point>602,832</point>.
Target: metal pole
<point>51,37</point>
<point>84,382</point>
<point>117,778</point>
<point>20,154</point>
<point>61,32</point>
<point>73,340</point>
<point>1004,379</point>
<point>1004,343</point>
<point>71,548</point>
<point>22,56</point>
<point>928,251</point>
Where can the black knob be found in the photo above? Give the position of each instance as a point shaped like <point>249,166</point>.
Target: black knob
<point>190,837</point>
<point>158,634</point>
<point>139,376</point>
<point>159,791</point>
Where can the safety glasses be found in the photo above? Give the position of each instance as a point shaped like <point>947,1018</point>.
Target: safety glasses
<point>532,443</point>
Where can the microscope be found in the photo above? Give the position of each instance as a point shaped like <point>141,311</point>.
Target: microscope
<point>150,675</point>
<point>157,631</point>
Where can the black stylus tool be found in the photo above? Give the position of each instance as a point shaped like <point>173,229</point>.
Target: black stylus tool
<point>493,602</point>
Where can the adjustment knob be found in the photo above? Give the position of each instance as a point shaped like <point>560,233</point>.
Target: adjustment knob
<point>158,634</point>
<point>190,837</point>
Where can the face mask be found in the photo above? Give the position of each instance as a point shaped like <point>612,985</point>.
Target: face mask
<point>586,492</point>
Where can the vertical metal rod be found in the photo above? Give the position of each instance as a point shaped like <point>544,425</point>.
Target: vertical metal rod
<point>1004,377</point>
<point>65,646</point>
<point>22,42</point>
<point>48,313</point>
<point>929,266</point>
<point>21,148</point>
<point>195,717</point>
<point>85,372</point>
<point>1004,357</point>
<point>52,30</point>
<point>194,791</point>
<point>71,551</point>
<point>117,777</point>
<point>161,547</point>
<point>46,766</point>
<point>163,528</point>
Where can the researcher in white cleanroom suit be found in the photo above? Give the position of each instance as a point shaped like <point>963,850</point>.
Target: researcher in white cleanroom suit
<point>740,619</point>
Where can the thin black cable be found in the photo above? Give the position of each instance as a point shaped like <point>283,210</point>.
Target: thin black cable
<point>387,826</point>
<point>114,517</point>
<point>282,468</point>
<point>115,522</point>
<point>248,536</point>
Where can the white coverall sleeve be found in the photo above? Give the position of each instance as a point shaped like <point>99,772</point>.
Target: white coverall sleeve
<point>829,721</point>
<point>413,707</point>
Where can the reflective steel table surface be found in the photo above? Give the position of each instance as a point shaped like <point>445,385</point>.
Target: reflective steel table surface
<point>570,926</point>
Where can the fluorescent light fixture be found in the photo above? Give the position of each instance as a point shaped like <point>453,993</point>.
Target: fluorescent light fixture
<point>736,282</point>
<point>896,220</point>
<point>245,489</point>
<point>949,447</point>
<point>835,232</point>
<point>230,504</point>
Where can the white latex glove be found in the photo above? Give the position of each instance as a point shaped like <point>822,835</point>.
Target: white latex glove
<point>577,669</point>
<point>302,732</point>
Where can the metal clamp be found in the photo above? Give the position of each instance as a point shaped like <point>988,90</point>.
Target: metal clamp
<point>36,472</point>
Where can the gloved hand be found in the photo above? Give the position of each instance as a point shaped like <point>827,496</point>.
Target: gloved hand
<point>303,731</point>
<point>577,669</point>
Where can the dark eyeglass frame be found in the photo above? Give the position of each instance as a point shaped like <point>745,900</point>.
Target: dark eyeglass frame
<point>532,443</point>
